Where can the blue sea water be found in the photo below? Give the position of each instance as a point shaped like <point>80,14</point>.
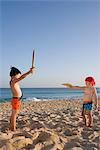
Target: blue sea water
<point>43,93</point>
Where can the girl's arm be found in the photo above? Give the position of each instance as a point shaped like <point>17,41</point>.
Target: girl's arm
<point>74,87</point>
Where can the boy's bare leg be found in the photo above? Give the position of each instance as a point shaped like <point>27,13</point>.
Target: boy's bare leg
<point>13,120</point>
<point>90,118</point>
<point>83,115</point>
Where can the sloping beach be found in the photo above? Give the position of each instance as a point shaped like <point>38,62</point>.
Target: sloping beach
<point>48,125</point>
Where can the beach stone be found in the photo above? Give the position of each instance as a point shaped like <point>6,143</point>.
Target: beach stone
<point>53,115</point>
<point>7,146</point>
<point>66,119</point>
<point>35,135</point>
<point>6,136</point>
<point>59,129</point>
<point>77,148</point>
<point>16,139</point>
<point>58,117</point>
<point>27,134</point>
<point>38,146</point>
<point>96,117</point>
<point>96,129</point>
<point>56,139</point>
<point>43,136</point>
<point>72,144</point>
<point>19,117</point>
<point>91,136</point>
<point>72,113</point>
<point>68,132</point>
<point>94,148</point>
<point>32,131</point>
<point>80,129</point>
<point>65,115</point>
<point>26,129</point>
<point>96,134</point>
<point>22,143</point>
<point>35,118</point>
<point>48,145</point>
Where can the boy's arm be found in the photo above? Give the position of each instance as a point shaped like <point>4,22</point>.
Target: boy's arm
<point>74,87</point>
<point>95,98</point>
<point>25,75</point>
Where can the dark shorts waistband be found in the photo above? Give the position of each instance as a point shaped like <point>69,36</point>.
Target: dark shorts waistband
<point>17,98</point>
<point>88,103</point>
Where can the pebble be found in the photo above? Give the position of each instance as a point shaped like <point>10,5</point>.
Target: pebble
<point>6,136</point>
<point>22,143</point>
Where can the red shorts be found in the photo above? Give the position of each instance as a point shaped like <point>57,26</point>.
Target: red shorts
<point>16,103</point>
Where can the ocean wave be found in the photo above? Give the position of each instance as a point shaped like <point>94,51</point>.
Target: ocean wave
<point>51,98</point>
<point>31,99</point>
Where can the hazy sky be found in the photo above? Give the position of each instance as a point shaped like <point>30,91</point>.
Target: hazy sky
<point>65,34</point>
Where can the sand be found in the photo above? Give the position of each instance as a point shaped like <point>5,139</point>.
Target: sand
<point>49,125</point>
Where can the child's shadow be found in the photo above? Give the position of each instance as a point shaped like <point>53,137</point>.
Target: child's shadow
<point>4,125</point>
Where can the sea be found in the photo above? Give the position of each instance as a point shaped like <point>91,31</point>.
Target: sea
<point>37,94</point>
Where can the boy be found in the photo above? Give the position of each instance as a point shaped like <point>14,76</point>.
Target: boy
<point>90,94</point>
<point>16,76</point>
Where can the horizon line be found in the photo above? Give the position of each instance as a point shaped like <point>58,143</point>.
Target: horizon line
<point>38,87</point>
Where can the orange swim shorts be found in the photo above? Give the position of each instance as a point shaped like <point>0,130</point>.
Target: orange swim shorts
<point>16,103</point>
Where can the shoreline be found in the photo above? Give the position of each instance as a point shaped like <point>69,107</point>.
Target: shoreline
<point>48,125</point>
<point>33,99</point>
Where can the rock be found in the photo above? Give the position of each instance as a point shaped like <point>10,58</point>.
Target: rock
<point>7,146</point>
<point>80,129</point>
<point>22,143</point>
<point>35,135</point>
<point>96,129</point>
<point>35,118</point>
<point>77,148</point>
<point>93,148</point>
<point>38,146</point>
<point>26,129</point>
<point>58,117</point>
<point>64,139</point>
<point>48,145</point>
<point>43,136</point>
<point>96,117</point>
<point>17,139</point>
<point>19,117</point>
<point>59,129</point>
<point>55,138</point>
<point>53,115</point>
<point>96,134</point>
<point>27,134</point>
<point>5,136</point>
<point>68,132</point>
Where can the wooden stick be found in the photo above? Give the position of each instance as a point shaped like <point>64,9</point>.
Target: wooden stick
<point>33,58</point>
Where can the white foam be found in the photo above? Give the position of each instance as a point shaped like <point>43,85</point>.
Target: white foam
<point>32,99</point>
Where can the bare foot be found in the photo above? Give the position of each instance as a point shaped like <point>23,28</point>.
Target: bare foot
<point>89,125</point>
<point>12,129</point>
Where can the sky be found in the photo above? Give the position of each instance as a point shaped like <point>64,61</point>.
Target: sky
<point>65,35</point>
